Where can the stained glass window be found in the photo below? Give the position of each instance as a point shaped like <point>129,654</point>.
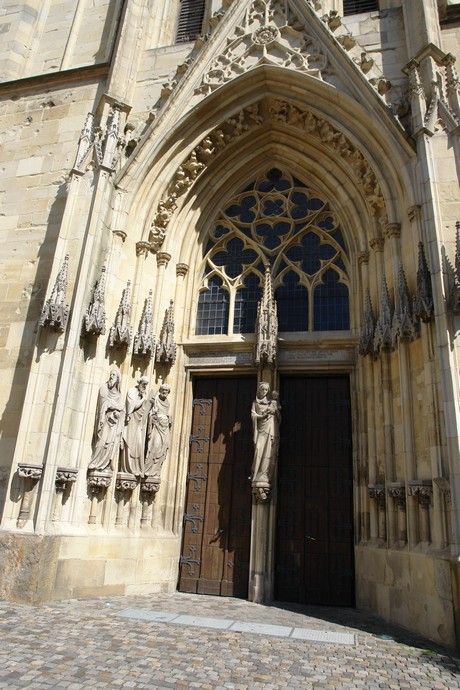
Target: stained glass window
<point>276,220</point>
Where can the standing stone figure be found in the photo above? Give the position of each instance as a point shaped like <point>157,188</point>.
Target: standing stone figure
<point>158,433</point>
<point>266,418</point>
<point>107,425</point>
<point>133,434</point>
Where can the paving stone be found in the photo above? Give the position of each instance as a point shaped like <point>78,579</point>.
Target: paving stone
<point>136,642</point>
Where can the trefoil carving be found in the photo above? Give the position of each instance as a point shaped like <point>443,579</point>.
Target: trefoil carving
<point>94,321</point>
<point>144,340</point>
<point>266,344</point>
<point>55,312</point>
<point>166,350</point>
<point>120,332</point>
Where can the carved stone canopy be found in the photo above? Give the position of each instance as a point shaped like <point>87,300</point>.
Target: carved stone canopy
<point>55,312</point>
<point>120,332</point>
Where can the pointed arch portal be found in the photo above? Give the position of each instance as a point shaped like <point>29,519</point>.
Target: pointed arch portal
<point>279,220</point>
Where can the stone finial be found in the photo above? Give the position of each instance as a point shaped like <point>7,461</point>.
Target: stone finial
<point>382,339</point>
<point>94,321</point>
<point>86,139</point>
<point>111,140</point>
<point>55,312</point>
<point>166,351</point>
<point>266,344</point>
<point>144,340</point>
<point>403,325</point>
<point>423,302</point>
<point>366,341</point>
<point>120,332</point>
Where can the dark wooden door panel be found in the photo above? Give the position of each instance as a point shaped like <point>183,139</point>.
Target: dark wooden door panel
<point>314,551</point>
<point>218,505</point>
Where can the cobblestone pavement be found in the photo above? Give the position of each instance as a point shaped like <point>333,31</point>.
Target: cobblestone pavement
<point>93,644</point>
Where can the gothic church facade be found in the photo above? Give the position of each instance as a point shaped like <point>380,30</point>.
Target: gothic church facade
<point>200,196</point>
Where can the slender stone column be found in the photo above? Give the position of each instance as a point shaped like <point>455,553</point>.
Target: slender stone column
<point>124,486</point>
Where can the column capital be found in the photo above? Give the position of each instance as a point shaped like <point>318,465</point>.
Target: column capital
<point>377,244</point>
<point>392,230</point>
<point>182,269</point>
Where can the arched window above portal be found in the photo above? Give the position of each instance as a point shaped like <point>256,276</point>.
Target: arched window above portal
<point>277,220</point>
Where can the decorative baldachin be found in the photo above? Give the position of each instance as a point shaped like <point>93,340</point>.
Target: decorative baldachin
<point>401,323</point>
<point>55,312</point>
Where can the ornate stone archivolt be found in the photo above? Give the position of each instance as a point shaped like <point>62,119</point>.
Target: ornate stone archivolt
<point>246,121</point>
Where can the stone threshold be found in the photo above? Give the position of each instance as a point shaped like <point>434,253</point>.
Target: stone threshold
<point>285,631</point>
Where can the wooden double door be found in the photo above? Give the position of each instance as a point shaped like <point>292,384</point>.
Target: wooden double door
<point>314,537</point>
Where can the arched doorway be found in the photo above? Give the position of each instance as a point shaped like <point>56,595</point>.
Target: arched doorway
<point>280,221</point>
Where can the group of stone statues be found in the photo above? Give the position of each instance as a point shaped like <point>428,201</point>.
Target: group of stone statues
<point>131,435</point>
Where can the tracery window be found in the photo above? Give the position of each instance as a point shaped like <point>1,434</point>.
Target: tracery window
<point>276,220</point>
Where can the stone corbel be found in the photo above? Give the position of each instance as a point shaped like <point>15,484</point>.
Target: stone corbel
<point>65,478</point>
<point>98,483</point>
<point>397,491</point>
<point>149,487</point>
<point>124,485</point>
<point>30,475</point>
<point>422,489</point>
<point>377,492</point>
<point>443,484</point>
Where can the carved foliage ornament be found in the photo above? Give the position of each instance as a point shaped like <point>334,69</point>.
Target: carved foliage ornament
<point>244,122</point>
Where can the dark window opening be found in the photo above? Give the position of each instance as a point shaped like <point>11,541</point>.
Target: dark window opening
<point>190,20</point>
<point>357,6</point>
<point>212,317</point>
<point>330,304</point>
<point>246,302</point>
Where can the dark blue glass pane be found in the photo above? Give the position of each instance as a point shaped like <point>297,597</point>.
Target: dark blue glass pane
<point>331,310</point>
<point>309,252</point>
<point>273,207</point>
<point>339,238</point>
<point>212,316</point>
<point>244,210</point>
<point>274,180</point>
<point>292,304</point>
<point>246,302</point>
<point>272,235</point>
<point>234,257</point>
